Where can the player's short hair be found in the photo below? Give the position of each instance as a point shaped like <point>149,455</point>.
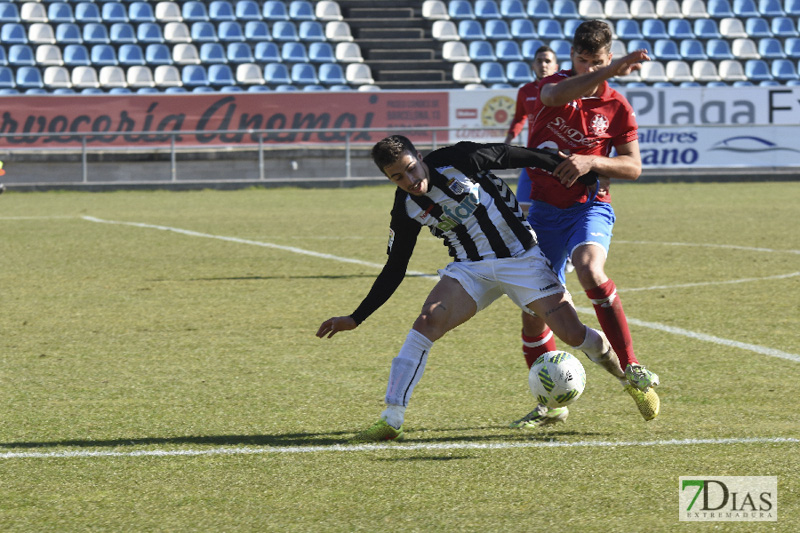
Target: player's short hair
<point>389,150</point>
<point>592,37</point>
<point>543,49</point>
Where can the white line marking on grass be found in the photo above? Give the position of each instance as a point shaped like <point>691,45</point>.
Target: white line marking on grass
<point>396,447</point>
<point>706,245</point>
<point>707,283</point>
<point>653,325</point>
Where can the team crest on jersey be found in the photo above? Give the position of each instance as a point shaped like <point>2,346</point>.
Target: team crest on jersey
<point>456,186</point>
<point>599,125</point>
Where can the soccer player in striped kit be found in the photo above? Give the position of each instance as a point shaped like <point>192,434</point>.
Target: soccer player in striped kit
<point>494,251</point>
<point>578,114</point>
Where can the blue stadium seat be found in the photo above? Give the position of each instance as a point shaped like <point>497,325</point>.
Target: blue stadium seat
<point>666,50</point>
<point>719,9</point>
<point>194,11</point>
<point>220,10</point>
<point>21,55</point>
<point>792,7</point>
<point>286,88</point>
<point>230,31</point>
<point>639,44</point>
<point>680,29</point>
<point>539,9</point>
<point>29,78</point>
<point>770,48</point>
<point>549,29</point>
<point>783,70</point>
<point>231,89</point>
<point>113,12</point>
<point>149,32</point>
<point>203,32</point>
<point>141,12</point>
<point>470,30</point>
<point>284,30</point>
<point>158,54</point>
<point>512,9</point>
<point>239,53</point>
<point>654,29</point>
<point>95,33</point>
<point>331,74</point>
<point>194,76</point>
<point>58,13</point>
<point>267,52</point>
<point>496,29</point>
<point>13,33</point>
<point>275,10</point>
<point>76,55</point>
<point>314,87</point>
<point>480,51</point>
<point>219,75</point>
<point>301,10</point>
<point>460,10</point>
<point>131,54</point>
<point>792,47</point>
<point>518,72</point>
<point>321,53</point>
<point>87,12</point>
<point>492,72</point>
<point>757,70</point>
<point>294,52</point>
<point>487,9</point>
<point>311,30</point>
<point>256,30</point>
<point>103,55</point>
<point>9,12</point>
<point>529,47</point>
<point>523,29</point>
<point>276,73</point>
<point>258,89</point>
<point>693,50</point>
<point>745,8</point>
<point>706,29</point>
<point>565,9</point>
<point>508,50</point>
<point>562,48</point>
<point>304,74</point>
<point>7,78</point>
<point>628,29</point>
<point>757,27</point>
<point>122,33</point>
<point>212,53</point>
<point>783,27</point>
<point>570,25</point>
<point>3,57</point>
<point>771,8</point>
<point>718,49</point>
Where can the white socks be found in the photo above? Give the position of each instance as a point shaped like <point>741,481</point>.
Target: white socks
<point>407,369</point>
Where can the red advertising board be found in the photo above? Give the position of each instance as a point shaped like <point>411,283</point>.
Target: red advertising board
<point>215,119</point>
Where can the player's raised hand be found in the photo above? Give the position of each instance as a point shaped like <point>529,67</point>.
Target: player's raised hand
<point>333,325</point>
<point>629,63</point>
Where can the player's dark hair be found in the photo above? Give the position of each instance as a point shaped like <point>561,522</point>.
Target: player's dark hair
<point>542,49</point>
<point>390,149</point>
<point>592,37</point>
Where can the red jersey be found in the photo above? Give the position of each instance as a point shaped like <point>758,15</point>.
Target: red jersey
<point>527,96</point>
<point>588,126</point>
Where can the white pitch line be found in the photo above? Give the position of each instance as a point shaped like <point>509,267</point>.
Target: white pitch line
<point>652,325</point>
<point>706,245</point>
<point>707,283</point>
<point>246,450</point>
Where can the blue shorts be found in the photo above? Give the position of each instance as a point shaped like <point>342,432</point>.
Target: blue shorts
<point>524,187</point>
<point>560,231</point>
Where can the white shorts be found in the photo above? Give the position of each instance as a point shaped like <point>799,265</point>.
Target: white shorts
<point>524,279</point>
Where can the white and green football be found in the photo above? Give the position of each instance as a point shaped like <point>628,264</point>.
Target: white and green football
<point>557,379</point>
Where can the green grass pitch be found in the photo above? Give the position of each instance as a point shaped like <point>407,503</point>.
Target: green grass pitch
<point>161,373</point>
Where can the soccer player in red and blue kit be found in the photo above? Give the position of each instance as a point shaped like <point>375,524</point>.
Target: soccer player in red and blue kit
<point>578,114</point>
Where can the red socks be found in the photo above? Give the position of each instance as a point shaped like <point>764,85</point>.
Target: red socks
<point>608,308</point>
<point>533,347</point>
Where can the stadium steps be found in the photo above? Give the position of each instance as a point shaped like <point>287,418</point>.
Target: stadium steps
<point>397,45</point>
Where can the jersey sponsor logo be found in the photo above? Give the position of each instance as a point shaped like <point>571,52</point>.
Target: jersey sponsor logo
<point>599,125</point>
<point>452,218</point>
<point>456,186</point>
<point>561,128</point>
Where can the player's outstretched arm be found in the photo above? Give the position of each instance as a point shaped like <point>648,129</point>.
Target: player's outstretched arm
<point>336,324</point>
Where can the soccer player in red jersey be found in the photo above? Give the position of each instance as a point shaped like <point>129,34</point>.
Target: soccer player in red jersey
<point>578,114</point>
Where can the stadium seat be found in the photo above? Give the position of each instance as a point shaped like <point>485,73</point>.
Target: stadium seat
<point>166,76</point>
<point>157,54</point>
<point>256,30</point>
<point>60,12</point>
<point>7,78</point>
<point>41,33</point>
<point>141,12</point>
<point>693,9</point>
<point>460,10</point>
<point>185,54</point>
<point>523,29</point>
<point>757,28</point>
<point>240,53</point>
<point>591,9</point>
<point>249,74</point>
<point>220,10</point>
<point>29,78</point>
<point>561,47</point>
<point>95,33</point>
<point>771,8</point>
<point>442,30</point>
<point>454,51</point>
<point>194,11</point>
<point>757,70</point>
<point>496,30</point>
<point>112,12</point>
<point>359,74</point>
<point>508,50</point>
<point>627,29</point>
<point>9,13</point>
<point>139,76</point>
<point>480,51</point>
<point>434,10</point>
<point>549,29</point>
<point>46,55</point>
<point>693,50</point>
<point>783,27</point>
<point>705,71</point>
<point>4,57</point>
<point>680,29</point>
<point>732,28</point>
<point>259,89</point>
<point>512,9</point>
<point>122,33</point>
<point>719,9</point>
<point>322,52</point>
<point>570,25</point>
<point>21,55</point>
<point>68,33</point>
<point>706,29</point>
<point>792,7</point>
<point>331,74</point>
<point>518,72</point>
<point>267,52</point>
<point>718,49</point>
<point>86,12</point>
<point>540,9</point>
<point>618,48</point>
<point>792,47</point>
<point>149,32</point>
<point>177,32</point>
<point>275,10</point>
<point>654,72</point>
<point>328,10</point>
<point>203,32</point>
<point>283,30</point>
<point>286,88</point>
<point>56,78</point>
<point>731,70</point>
<point>276,73</point>
<point>744,49</point>
<point>666,50</point>
<point>639,44</point>
<point>292,52</point>
<point>465,73</point>
<point>745,8</point>
<point>212,53</point>
<point>654,29</point>
<point>168,12</point>
<point>194,76</point>
<point>84,77</point>
<point>529,47</point>
<point>76,55</point>
<point>492,72</point>
<point>131,54</point>
<point>783,70</point>
<point>345,53</point>
<point>103,55</point>
<point>230,31</point>
<point>13,33</point>
<point>470,30</point>
<point>112,76</point>
<point>301,10</point>
<point>643,9</point>
<point>668,9</point>
<point>770,48</point>
<point>617,9</point>
<point>220,75</point>
<point>311,30</point>
<point>487,9</point>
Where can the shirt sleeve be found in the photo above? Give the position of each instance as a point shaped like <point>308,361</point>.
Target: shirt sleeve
<point>520,116</point>
<point>403,238</point>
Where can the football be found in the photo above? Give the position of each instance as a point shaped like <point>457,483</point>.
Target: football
<point>557,379</point>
